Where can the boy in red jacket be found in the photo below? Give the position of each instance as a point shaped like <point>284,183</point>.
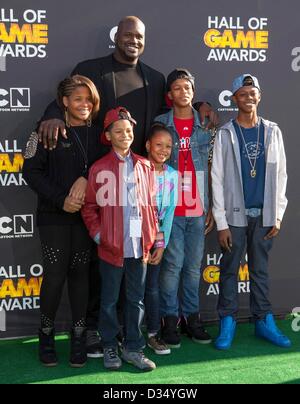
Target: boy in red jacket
<point>120,215</point>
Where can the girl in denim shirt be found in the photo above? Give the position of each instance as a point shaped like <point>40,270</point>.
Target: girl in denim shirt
<point>159,148</point>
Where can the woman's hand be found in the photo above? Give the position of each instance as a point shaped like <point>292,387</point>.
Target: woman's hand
<point>78,189</point>
<point>72,205</point>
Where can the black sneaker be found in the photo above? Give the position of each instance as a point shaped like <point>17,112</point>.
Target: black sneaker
<point>111,360</point>
<point>47,353</point>
<point>78,356</point>
<point>94,347</point>
<point>169,331</point>
<point>194,329</point>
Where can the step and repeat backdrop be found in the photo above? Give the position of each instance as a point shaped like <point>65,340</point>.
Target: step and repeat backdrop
<point>41,42</point>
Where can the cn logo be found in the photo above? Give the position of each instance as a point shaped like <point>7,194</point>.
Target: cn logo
<point>225,98</point>
<point>112,33</point>
<point>15,97</point>
<point>18,225</point>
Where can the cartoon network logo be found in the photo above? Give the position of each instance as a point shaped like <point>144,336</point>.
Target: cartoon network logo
<point>296,60</point>
<point>225,101</point>
<point>15,99</point>
<point>112,34</point>
<point>17,226</point>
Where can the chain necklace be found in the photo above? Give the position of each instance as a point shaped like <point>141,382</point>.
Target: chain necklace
<point>253,171</point>
<point>83,149</point>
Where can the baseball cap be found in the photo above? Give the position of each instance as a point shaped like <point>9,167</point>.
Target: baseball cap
<point>180,73</point>
<point>114,115</point>
<point>245,80</point>
<point>117,114</point>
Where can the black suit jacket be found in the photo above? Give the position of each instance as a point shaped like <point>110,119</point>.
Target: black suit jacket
<point>100,71</point>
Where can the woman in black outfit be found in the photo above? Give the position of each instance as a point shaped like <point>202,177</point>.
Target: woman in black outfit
<point>59,178</point>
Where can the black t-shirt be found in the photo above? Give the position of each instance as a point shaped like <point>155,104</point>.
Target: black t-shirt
<point>131,94</point>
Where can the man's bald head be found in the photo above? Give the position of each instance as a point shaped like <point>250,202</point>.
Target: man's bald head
<point>129,40</point>
<point>130,19</point>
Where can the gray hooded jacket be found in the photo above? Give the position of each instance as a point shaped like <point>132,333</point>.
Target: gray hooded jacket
<point>227,183</point>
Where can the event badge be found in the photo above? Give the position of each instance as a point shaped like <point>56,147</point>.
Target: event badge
<point>135,227</point>
<point>135,224</point>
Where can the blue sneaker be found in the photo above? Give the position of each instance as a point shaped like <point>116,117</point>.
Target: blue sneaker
<point>227,332</point>
<point>268,330</point>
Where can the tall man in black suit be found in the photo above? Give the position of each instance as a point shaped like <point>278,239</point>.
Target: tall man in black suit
<point>122,80</point>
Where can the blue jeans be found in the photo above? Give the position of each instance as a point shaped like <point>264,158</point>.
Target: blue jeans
<point>152,299</point>
<point>258,254</point>
<point>134,272</point>
<point>181,267</point>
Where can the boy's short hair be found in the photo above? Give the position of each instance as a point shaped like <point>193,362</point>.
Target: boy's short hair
<point>180,73</point>
<point>243,81</point>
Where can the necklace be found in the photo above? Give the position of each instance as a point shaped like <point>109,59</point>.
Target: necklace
<point>84,150</point>
<point>253,171</point>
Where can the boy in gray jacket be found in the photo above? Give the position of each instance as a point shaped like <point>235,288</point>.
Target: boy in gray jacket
<point>249,184</point>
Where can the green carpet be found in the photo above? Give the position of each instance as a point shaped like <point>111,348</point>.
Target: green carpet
<point>249,361</point>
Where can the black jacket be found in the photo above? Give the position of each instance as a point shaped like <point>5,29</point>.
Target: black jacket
<point>100,71</point>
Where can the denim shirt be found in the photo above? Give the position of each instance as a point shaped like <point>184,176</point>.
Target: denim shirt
<point>200,148</point>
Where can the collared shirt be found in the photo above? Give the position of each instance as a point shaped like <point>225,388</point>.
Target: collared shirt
<point>132,245</point>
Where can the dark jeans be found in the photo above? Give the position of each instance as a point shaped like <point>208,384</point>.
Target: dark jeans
<point>92,315</point>
<point>258,254</point>
<point>134,272</point>
<point>152,299</point>
<point>181,267</point>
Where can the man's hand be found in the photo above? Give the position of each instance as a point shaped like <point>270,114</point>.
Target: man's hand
<point>48,132</point>
<point>157,256</point>
<point>206,111</point>
<point>225,239</point>
<point>78,189</point>
<point>72,205</point>
<point>210,222</point>
<point>274,231</point>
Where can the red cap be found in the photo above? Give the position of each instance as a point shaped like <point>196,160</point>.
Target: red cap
<point>112,116</point>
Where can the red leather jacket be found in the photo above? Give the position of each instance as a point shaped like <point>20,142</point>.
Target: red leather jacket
<point>103,210</point>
